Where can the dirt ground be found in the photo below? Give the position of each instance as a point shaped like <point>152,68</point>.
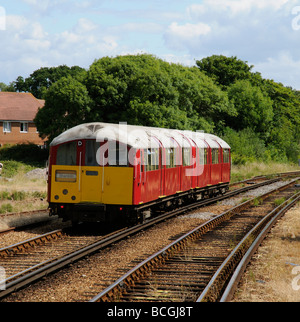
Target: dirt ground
<point>274,273</point>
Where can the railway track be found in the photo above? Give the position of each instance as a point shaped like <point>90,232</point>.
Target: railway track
<point>19,275</point>
<point>197,266</point>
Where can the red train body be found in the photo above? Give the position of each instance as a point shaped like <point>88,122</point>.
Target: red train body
<point>100,171</point>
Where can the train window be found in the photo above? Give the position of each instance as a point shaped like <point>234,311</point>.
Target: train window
<point>148,165</point>
<point>91,148</point>
<point>226,156</point>
<point>66,154</point>
<point>142,163</point>
<point>155,159</point>
<point>170,158</point>
<point>117,154</point>
<point>186,156</point>
<point>203,156</point>
<point>151,159</point>
<point>215,156</point>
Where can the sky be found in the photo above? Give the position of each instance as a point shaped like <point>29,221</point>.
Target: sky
<point>46,33</point>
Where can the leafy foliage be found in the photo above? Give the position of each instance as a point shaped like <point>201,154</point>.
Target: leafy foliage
<point>224,70</point>
<point>259,118</point>
<point>67,104</point>
<point>40,80</point>
<point>31,154</point>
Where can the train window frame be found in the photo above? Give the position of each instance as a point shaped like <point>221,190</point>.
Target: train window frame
<point>186,157</point>
<point>203,156</point>
<point>93,161</point>
<point>170,158</point>
<point>114,149</point>
<point>214,156</point>
<point>151,159</point>
<point>69,155</point>
<point>226,158</point>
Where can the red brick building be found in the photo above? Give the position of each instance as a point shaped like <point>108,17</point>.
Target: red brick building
<point>17,112</point>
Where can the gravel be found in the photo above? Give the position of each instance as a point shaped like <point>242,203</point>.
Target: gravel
<point>95,273</point>
<point>84,279</point>
<point>37,173</point>
<point>253,193</point>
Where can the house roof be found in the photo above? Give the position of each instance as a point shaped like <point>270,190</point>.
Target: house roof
<point>18,106</point>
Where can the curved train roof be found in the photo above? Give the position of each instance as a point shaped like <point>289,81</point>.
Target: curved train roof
<point>139,137</point>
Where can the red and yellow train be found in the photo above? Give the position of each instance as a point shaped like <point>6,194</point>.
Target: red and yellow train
<point>110,172</point>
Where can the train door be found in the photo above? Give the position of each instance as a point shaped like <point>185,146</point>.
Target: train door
<point>194,164</point>
<point>209,167</point>
<point>143,176</point>
<point>162,172</point>
<point>90,174</point>
<point>137,177</point>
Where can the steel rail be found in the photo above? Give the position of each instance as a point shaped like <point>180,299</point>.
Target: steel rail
<point>234,265</point>
<point>29,243</point>
<point>114,291</point>
<point>233,283</point>
<point>7,230</point>
<point>38,271</point>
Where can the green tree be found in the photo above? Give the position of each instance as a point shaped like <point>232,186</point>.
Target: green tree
<point>117,84</point>
<point>67,104</point>
<point>285,128</point>
<point>40,80</point>
<point>7,88</point>
<point>225,70</point>
<point>246,146</point>
<point>148,90</point>
<point>254,109</point>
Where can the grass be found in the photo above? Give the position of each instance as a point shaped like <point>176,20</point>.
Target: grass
<point>249,170</point>
<point>279,201</point>
<point>19,192</point>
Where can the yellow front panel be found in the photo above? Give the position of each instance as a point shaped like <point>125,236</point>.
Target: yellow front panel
<point>65,189</point>
<point>118,185</point>
<point>91,184</point>
<point>108,185</point>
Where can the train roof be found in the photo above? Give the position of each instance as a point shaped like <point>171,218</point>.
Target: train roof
<point>139,137</point>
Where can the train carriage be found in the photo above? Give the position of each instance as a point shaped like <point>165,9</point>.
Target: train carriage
<point>108,172</point>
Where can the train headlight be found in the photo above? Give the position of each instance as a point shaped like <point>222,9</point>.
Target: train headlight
<point>65,176</point>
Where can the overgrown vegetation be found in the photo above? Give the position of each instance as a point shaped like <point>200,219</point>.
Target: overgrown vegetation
<point>258,117</point>
<point>20,191</point>
<point>249,170</point>
<point>28,154</point>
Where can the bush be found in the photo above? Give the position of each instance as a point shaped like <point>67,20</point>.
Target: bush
<point>27,153</point>
<point>246,146</point>
<point>6,207</point>
<point>11,168</point>
<point>18,195</point>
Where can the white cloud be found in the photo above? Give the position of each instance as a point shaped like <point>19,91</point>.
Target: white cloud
<point>28,46</point>
<point>185,60</point>
<point>75,32</point>
<point>179,36</point>
<point>15,23</point>
<point>281,68</point>
<point>189,30</point>
<point>85,25</point>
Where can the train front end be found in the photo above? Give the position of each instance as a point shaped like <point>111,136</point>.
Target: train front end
<point>84,184</point>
